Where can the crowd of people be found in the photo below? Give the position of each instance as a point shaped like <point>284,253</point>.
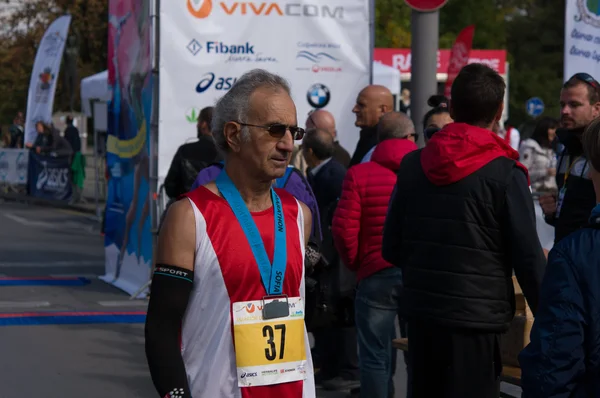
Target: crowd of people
<point>49,142</point>
<point>265,240</point>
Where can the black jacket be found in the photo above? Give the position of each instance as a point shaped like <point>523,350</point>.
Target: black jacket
<point>368,140</point>
<point>458,243</point>
<point>72,137</point>
<point>341,155</point>
<point>579,196</point>
<point>187,163</point>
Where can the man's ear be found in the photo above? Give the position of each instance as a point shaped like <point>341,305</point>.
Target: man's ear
<point>451,110</point>
<point>596,110</point>
<point>233,136</point>
<point>498,116</point>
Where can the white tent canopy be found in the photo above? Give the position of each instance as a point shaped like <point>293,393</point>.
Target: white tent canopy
<point>387,76</point>
<point>94,88</point>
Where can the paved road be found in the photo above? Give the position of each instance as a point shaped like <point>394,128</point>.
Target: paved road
<point>71,361</point>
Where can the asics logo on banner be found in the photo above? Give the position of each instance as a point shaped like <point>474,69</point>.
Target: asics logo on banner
<point>222,83</point>
<point>199,8</point>
<point>248,375</point>
<point>202,9</point>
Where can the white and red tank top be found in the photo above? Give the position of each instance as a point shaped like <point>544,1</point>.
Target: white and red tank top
<point>225,272</point>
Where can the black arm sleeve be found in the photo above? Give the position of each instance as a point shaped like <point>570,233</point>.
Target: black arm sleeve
<point>524,250</point>
<point>171,289</point>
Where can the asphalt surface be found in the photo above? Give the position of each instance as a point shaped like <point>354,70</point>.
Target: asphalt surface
<point>74,361</point>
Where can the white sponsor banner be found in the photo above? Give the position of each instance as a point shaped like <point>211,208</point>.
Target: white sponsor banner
<point>13,166</point>
<point>42,86</point>
<point>582,38</point>
<point>322,47</point>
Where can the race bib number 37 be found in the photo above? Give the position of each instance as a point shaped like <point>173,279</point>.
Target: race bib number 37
<point>269,351</point>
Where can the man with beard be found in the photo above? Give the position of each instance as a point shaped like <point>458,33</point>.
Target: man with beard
<point>569,209</point>
<point>373,102</point>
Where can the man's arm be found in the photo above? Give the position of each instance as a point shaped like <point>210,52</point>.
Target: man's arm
<point>307,221</point>
<point>524,251</point>
<point>171,288</point>
<point>173,179</point>
<point>392,229</point>
<point>346,222</point>
<point>554,361</point>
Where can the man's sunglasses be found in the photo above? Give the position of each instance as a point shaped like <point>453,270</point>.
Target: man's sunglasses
<point>430,131</point>
<point>588,79</point>
<point>278,130</point>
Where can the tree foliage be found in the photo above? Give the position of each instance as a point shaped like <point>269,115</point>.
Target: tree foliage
<point>530,30</point>
<point>21,34</point>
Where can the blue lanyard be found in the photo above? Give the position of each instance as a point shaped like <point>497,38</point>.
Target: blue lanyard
<point>272,276</point>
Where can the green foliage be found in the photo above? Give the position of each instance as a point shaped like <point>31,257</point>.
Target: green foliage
<point>23,32</point>
<point>532,32</point>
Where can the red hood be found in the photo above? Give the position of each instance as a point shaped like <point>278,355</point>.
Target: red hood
<point>389,153</point>
<point>459,150</point>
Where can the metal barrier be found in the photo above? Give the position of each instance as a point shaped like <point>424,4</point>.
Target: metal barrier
<point>13,170</point>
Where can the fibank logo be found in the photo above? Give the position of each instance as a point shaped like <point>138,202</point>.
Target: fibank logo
<point>318,95</point>
<point>203,8</point>
<point>220,83</point>
<point>191,115</point>
<point>589,11</point>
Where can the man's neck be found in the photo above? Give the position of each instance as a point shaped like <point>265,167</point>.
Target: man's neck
<point>256,194</point>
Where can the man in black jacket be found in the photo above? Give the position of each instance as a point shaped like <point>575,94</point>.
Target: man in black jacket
<point>569,209</point>
<point>460,221</point>
<point>193,157</point>
<point>324,120</point>
<point>372,102</point>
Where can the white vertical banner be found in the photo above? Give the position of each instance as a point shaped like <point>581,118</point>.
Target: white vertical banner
<point>322,47</point>
<point>582,38</point>
<point>42,86</point>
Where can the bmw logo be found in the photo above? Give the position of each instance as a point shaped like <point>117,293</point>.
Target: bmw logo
<point>205,82</point>
<point>318,95</point>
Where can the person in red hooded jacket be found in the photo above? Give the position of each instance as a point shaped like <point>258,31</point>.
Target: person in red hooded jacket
<point>357,231</point>
<point>460,220</point>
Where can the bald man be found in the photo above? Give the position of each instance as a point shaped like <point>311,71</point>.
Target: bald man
<point>372,102</point>
<point>393,125</point>
<point>324,120</point>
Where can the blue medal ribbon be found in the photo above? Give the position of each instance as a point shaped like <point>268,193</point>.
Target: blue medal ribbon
<point>272,275</point>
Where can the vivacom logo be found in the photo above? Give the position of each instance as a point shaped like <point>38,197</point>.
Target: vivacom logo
<point>199,8</point>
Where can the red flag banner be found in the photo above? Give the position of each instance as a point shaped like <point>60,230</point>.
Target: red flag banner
<point>459,56</point>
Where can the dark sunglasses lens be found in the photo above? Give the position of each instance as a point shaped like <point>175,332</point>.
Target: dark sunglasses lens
<point>430,131</point>
<point>278,130</point>
<point>297,133</point>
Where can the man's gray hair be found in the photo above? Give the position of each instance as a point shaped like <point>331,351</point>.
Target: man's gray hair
<point>394,125</point>
<point>234,105</point>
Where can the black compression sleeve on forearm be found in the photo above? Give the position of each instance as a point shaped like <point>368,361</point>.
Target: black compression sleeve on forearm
<point>171,289</point>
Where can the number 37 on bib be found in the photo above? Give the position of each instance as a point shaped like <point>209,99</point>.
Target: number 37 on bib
<point>269,351</point>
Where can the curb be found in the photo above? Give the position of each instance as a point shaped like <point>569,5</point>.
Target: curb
<point>10,197</point>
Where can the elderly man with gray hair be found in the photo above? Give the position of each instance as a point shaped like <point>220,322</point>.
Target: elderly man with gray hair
<point>358,232</point>
<point>393,125</point>
<point>226,315</point>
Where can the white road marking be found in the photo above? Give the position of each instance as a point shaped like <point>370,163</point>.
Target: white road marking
<point>124,303</point>
<point>88,276</point>
<point>52,225</point>
<point>30,264</point>
<point>24,304</point>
